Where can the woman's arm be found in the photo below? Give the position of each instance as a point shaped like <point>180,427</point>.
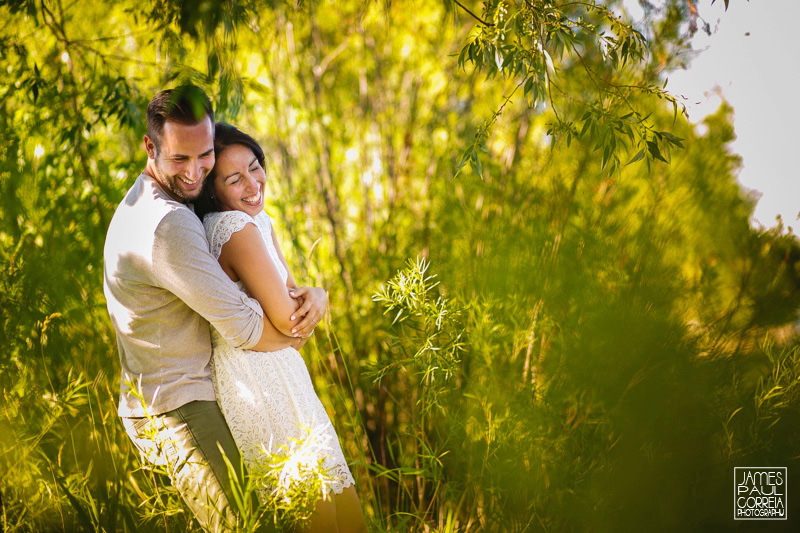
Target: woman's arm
<point>272,340</point>
<point>314,301</point>
<point>245,258</point>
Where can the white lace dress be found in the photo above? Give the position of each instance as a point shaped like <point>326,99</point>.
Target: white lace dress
<point>267,397</point>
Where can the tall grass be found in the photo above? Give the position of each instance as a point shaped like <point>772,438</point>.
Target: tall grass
<point>494,432</point>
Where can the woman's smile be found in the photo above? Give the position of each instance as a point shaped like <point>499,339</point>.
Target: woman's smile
<point>254,199</point>
<point>239,180</point>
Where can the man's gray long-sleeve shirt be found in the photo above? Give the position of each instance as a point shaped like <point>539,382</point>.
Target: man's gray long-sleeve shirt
<point>163,287</point>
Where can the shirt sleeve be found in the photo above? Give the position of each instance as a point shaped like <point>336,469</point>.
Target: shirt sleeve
<point>183,265</point>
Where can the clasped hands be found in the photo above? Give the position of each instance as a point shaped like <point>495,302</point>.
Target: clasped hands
<point>313,302</point>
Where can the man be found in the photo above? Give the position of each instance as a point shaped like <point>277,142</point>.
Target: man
<point>163,288</point>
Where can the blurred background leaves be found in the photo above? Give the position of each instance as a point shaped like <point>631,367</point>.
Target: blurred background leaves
<point>589,344</point>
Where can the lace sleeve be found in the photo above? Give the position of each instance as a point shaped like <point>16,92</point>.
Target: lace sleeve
<point>220,226</point>
<point>264,225</point>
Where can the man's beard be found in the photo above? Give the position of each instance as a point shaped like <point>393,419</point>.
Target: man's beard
<point>171,184</point>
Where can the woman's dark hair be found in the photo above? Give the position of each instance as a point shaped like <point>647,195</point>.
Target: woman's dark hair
<point>225,135</point>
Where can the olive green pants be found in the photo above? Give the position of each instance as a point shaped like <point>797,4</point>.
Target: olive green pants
<point>186,442</point>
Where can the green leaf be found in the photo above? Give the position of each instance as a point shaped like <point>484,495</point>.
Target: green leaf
<point>528,85</point>
<point>587,123</point>
<point>672,139</point>
<point>476,165</point>
<point>638,157</point>
<point>606,155</point>
<point>464,159</point>
<point>462,58</point>
<point>213,64</point>
<point>652,147</point>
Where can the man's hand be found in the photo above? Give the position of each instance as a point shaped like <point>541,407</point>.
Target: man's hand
<point>310,313</point>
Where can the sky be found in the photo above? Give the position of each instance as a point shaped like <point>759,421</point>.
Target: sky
<point>752,59</point>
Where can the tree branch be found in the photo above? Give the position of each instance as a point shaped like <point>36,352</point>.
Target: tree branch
<point>476,17</point>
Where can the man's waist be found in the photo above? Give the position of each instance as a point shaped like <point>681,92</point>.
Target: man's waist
<point>148,400</point>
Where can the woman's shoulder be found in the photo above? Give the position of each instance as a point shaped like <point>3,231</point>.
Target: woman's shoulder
<point>236,219</point>
<point>221,225</point>
<point>214,218</point>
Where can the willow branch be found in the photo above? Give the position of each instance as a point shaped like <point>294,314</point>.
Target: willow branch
<point>473,15</point>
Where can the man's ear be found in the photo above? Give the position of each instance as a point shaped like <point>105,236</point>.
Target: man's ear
<point>150,147</point>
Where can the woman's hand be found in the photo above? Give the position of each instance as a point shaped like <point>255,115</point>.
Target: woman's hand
<point>310,313</point>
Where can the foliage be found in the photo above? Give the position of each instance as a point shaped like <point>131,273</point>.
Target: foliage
<point>577,338</point>
<point>428,326</point>
<point>539,41</point>
<point>297,478</point>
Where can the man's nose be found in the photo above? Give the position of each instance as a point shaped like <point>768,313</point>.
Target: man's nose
<point>194,171</point>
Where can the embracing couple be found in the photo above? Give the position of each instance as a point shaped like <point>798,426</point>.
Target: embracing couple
<point>190,245</point>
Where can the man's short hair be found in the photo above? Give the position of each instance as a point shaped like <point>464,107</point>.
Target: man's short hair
<point>185,104</point>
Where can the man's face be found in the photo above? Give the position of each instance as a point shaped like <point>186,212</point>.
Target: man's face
<point>183,159</point>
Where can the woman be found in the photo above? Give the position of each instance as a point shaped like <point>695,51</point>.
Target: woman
<point>267,398</point>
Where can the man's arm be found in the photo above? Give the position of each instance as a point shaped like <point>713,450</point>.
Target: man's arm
<point>183,265</point>
<point>272,339</point>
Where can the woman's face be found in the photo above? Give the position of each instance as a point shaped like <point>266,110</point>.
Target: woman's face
<point>240,180</point>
